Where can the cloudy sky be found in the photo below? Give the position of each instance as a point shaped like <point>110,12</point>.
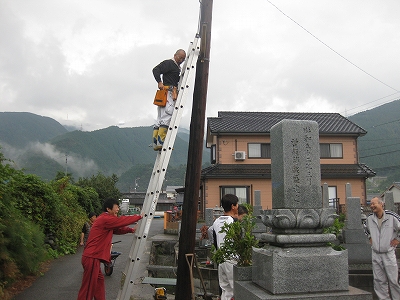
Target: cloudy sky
<point>88,63</point>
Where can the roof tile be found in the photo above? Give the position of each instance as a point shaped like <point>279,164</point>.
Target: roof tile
<point>261,122</point>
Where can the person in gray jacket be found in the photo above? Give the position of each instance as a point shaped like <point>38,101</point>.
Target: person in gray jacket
<point>382,228</point>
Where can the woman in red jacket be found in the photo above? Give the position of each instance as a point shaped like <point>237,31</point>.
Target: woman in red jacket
<point>98,248</point>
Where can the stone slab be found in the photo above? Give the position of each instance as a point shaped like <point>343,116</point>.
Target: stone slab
<point>209,216</point>
<point>354,236</point>
<point>389,201</point>
<point>242,273</point>
<point>300,269</point>
<point>359,253</point>
<point>325,195</point>
<point>247,290</point>
<point>295,165</point>
<point>348,190</point>
<point>353,213</point>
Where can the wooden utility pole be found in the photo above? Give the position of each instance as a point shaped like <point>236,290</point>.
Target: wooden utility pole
<point>195,152</point>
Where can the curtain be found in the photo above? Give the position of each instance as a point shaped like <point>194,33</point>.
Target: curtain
<point>254,150</point>
<point>336,150</point>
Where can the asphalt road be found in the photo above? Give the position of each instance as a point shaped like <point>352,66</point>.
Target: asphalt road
<point>63,280</point>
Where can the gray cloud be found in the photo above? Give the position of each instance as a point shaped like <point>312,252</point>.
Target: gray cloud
<point>72,162</point>
<point>88,64</point>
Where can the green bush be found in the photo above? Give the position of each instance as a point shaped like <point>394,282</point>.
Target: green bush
<point>21,244</point>
<point>336,229</point>
<point>337,226</point>
<point>238,243</point>
<point>68,217</point>
<point>39,220</point>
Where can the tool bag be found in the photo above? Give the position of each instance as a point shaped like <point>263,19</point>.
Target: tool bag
<point>160,98</point>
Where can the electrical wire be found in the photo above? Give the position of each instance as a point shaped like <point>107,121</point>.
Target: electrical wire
<point>374,126</point>
<point>388,101</point>
<point>380,147</point>
<point>379,154</point>
<point>333,50</point>
<point>340,55</point>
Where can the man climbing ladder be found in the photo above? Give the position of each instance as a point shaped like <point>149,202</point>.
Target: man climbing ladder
<point>170,70</point>
<point>160,167</point>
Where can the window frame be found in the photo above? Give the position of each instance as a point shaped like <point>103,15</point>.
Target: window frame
<point>265,151</point>
<point>223,192</point>
<point>213,153</point>
<point>330,150</point>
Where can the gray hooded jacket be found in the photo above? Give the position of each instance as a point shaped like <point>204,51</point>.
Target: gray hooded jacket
<point>382,237</point>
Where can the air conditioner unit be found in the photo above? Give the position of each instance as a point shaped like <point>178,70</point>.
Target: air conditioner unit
<point>240,155</point>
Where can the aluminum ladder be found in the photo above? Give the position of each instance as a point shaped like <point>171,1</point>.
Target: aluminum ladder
<point>158,174</point>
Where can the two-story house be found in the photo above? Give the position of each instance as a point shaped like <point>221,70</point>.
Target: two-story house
<point>241,157</point>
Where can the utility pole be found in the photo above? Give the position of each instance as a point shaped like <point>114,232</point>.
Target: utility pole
<point>195,152</point>
<point>66,164</point>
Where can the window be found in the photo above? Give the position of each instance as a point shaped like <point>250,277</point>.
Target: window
<point>332,197</point>
<point>333,200</point>
<point>242,192</point>
<point>213,154</point>
<point>331,150</point>
<point>259,150</point>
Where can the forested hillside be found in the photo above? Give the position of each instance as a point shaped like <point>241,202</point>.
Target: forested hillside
<point>43,147</point>
<point>380,147</point>
<point>18,129</point>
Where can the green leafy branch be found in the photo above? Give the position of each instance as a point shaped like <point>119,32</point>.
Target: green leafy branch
<point>238,243</point>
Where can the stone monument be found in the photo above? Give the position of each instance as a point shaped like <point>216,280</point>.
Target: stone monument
<point>297,263</point>
<point>354,238</point>
<point>389,201</point>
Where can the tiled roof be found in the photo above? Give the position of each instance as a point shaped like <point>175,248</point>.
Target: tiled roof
<point>261,122</point>
<point>264,171</point>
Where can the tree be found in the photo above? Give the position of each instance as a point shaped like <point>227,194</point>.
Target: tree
<point>103,185</point>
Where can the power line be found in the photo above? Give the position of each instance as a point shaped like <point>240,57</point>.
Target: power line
<point>380,153</point>
<point>380,147</point>
<point>330,48</point>
<point>374,126</point>
<point>387,168</point>
<point>374,140</point>
<point>391,100</point>
<point>340,55</point>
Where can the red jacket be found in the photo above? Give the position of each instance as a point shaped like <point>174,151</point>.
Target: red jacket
<point>98,244</point>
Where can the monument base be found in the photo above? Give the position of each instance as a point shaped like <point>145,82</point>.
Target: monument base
<point>300,269</point>
<point>247,290</point>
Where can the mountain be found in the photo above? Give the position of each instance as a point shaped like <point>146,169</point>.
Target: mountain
<point>114,149</point>
<point>380,147</point>
<point>42,146</point>
<point>18,129</point>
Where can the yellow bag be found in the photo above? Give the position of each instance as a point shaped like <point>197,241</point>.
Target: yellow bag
<point>161,98</point>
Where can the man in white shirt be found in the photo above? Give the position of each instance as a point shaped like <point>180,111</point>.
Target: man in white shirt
<point>230,205</point>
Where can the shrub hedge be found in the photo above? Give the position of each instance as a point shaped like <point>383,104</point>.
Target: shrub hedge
<point>40,220</point>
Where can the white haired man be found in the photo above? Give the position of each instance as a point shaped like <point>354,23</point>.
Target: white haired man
<point>382,228</point>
